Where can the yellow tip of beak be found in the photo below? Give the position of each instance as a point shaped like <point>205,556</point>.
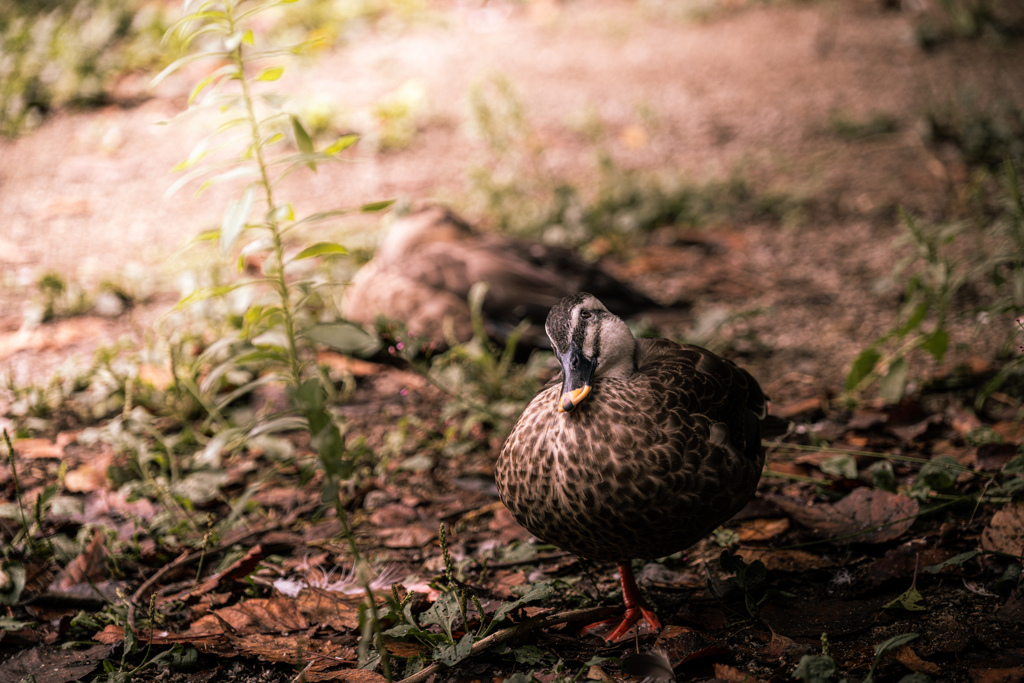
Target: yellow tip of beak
<point>572,399</point>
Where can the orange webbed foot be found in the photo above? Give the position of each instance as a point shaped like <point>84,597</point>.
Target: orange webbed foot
<point>637,608</point>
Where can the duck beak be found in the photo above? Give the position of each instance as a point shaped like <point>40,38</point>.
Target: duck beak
<point>578,371</point>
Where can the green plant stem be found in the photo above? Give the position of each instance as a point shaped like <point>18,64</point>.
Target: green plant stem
<point>17,486</point>
<point>371,603</point>
<point>279,281</point>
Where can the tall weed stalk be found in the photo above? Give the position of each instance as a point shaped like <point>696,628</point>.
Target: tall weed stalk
<point>255,146</point>
<point>250,148</point>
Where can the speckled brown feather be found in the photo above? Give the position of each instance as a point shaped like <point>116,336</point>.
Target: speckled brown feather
<point>647,465</point>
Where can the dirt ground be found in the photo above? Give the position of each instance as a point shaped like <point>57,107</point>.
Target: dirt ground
<point>750,89</point>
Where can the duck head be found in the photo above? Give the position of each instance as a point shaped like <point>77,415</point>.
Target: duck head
<point>590,342</point>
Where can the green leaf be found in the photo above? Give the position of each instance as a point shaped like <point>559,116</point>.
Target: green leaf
<point>203,293</point>
<point>240,172</point>
<point>303,141</point>
<point>1015,466</point>
<point>345,337</point>
<point>731,564</point>
<point>235,218</point>
<point>917,316</point>
<point>815,669</point>
<point>200,86</point>
<point>12,624</point>
<point>288,423</point>
<point>178,63</point>
<point>916,677</point>
<point>882,648</point>
<point>936,343</point>
<point>376,206</point>
<point>538,591</point>
<point>228,69</point>
<point>450,654</point>
<point>882,476</point>
<point>319,249</point>
<point>195,156</point>
<point>894,383</point>
<point>271,73</point>
<point>939,475</point>
<point>12,582</point>
<point>302,138</point>
<point>530,655</point>
<point>519,677</point>
<point>199,487</point>
<point>862,366</point>
<point>282,213</point>
<point>843,465</point>
<point>910,600</point>
<point>341,144</point>
<point>444,612</point>
<point>955,561</point>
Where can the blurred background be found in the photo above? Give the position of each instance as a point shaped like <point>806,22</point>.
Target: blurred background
<point>749,159</point>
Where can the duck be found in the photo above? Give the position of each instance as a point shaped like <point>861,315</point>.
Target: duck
<point>638,448</point>
<point>430,259</point>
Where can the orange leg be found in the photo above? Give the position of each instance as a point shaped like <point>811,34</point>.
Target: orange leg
<point>636,607</point>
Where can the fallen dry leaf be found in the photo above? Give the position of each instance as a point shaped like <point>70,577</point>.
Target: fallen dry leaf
<point>412,536</point>
<point>782,647</point>
<point>1005,533</point>
<point>1009,675</point>
<point>319,659</point>
<point>156,375</point>
<point>785,560</point>
<point>730,674</point>
<point>760,529</point>
<point>111,633</point>
<point>1010,430</point>
<point>240,568</point>
<point>250,617</point>
<point>36,449</point>
<point>503,580</point>
<point>865,516</point>
<point>404,649</point>
<point>908,658</point>
<point>296,650</point>
<point>800,408</point>
<point>812,618</point>
<point>91,475</point>
<point>683,644</point>
<point>346,365</point>
<point>505,528</point>
<point>393,515</point>
<point>89,566</point>
<point>346,675</point>
<point>50,665</point>
<point>337,610</point>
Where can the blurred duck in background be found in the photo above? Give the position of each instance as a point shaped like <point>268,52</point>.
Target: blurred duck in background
<point>429,260</point>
